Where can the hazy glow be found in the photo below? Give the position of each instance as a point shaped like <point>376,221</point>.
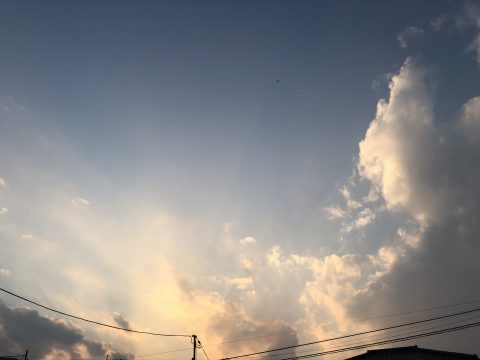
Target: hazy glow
<point>186,171</point>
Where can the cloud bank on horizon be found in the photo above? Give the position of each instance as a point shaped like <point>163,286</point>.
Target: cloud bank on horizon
<point>153,268</point>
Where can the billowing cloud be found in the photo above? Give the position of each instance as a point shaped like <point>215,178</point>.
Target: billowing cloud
<point>3,184</point>
<point>4,272</point>
<point>23,328</point>
<point>389,155</point>
<point>433,178</point>
<point>3,210</point>
<point>411,32</point>
<point>284,293</point>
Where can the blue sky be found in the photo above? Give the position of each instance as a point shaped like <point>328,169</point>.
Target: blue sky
<point>236,157</point>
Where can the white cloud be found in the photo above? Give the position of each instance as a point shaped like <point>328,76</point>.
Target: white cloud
<point>335,212</point>
<point>247,240</point>
<point>4,272</point>
<point>360,220</point>
<point>388,155</point>
<point>356,215</point>
<point>431,177</point>
<point>365,217</point>
<point>27,236</point>
<point>80,201</point>
<point>3,210</point>
<point>347,195</point>
<point>3,184</point>
<point>411,32</point>
<point>240,283</point>
<point>372,196</point>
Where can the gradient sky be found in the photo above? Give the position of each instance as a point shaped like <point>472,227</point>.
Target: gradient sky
<point>235,169</point>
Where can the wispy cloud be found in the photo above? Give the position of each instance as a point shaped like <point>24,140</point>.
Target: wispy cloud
<point>470,119</point>
<point>335,212</point>
<point>355,214</point>
<point>365,217</point>
<point>347,195</point>
<point>440,22</point>
<point>248,240</point>
<point>408,34</point>
<point>80,201</point>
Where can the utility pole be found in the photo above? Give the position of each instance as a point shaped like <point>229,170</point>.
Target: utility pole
<point>194,341</point>
<point>26,355</point>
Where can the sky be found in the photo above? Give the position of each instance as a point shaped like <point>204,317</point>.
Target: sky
<point>236,169</point>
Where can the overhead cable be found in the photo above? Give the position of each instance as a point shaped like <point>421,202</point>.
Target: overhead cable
<point>381,337</point>
<point>201,347</point>
<point>406,338</point>
<point>417,311</point>
<point>92,321</point>
<point>445,306</point>
<point>355,334</point>
<point>352,321</point>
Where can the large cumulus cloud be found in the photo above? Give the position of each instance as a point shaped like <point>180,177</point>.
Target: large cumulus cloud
<point>432,175</point>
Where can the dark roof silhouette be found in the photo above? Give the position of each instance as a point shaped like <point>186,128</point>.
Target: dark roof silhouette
<point>412,353</point>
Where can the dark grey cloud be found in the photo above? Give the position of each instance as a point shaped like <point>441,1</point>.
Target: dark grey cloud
<point>121,321</point>
<point>23,329</point>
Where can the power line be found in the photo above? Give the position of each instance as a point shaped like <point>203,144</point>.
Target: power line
<point>164,352</point>
<point>355,334</point>
<point>92,321</point>
<point>358,346</point>
<point>376,338</point>
<point>205,353</point>
<point>406,338</point>
<point>395,334</point>
<point>356,320</point>
<point>301,331</point>
<point>201,347</point>
<point>417,311</point>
